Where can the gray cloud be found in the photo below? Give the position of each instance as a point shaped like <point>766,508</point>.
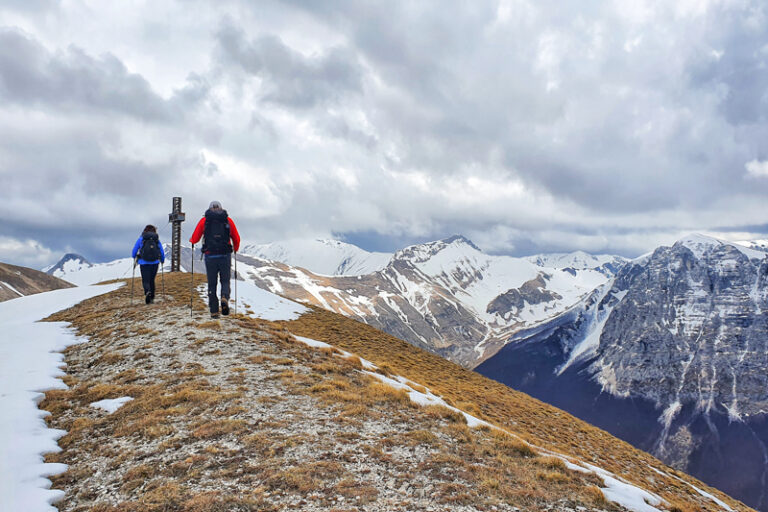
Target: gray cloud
<point>73,80</point>
<point>292,79</point>
<point>527,126</point>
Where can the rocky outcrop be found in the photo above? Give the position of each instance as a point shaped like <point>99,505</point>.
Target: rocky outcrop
<point>531,292</point>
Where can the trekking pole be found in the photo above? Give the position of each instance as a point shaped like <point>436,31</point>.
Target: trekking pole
<point>133,277</point>
<point>192,281</point>
<point>235,282</point>
<point>162,277</point>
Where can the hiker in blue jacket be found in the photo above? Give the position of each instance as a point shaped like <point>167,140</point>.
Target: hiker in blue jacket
<point>150,254</point>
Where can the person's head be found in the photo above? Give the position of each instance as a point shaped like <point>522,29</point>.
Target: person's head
<point>214,206</point>
<point>149,228</point>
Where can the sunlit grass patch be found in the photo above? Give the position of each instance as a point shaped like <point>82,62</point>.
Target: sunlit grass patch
<point>218,428</point>
<point>362,492</point>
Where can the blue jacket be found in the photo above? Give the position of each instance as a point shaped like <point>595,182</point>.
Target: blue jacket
<point>141,261</point>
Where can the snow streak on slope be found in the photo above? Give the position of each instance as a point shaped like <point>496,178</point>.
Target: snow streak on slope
<point>30,362</point>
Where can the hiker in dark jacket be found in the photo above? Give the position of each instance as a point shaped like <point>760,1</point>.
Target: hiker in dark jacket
<point>150,254</point>
<point>221,238</point>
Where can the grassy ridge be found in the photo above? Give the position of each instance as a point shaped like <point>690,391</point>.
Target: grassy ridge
<point>521,414</point>
<point>237,415</point>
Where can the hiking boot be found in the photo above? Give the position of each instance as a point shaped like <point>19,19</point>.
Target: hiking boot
<point>215,314</point>
<point>224,306</point>
<point>147,298</point>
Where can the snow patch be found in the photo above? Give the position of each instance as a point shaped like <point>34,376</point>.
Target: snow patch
<point>111,404</point>
<point>669,413</point>
<point>718,501</point>
<point>625,494</point>
<point>259,303</point>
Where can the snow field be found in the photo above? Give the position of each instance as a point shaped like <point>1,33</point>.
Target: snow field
<point>30,364</point>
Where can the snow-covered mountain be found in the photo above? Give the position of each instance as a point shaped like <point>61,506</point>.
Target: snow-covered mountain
<point>69,263</point>
<point>78,270</point>
<point>671,355</point>
<point>446,296</point>
<point>323,257</point>
<point>579,260</point>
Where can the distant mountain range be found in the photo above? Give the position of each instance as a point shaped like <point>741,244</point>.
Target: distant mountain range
<point>671,355</point>
<point>446,296</point>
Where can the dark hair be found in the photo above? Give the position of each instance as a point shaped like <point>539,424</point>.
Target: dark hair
<point>150,229</point>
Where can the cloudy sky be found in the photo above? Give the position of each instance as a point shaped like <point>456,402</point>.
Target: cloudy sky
<point>527,126</point>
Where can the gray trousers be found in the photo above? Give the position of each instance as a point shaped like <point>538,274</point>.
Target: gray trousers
<point>217,267</point>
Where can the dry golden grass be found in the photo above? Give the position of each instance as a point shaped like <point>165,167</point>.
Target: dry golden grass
<point>516,412</point>
<point>482,467</point>
<point>362,492</point>
<point>219,428</point>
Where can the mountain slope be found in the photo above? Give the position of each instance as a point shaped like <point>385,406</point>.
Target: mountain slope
<point>242,414</point>
<point>18,281</point>
<point>669,355</point>
<point>445,296</point>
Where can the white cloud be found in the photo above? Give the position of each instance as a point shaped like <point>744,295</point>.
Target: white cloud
<point>757,168</point>
<point>28,253</point>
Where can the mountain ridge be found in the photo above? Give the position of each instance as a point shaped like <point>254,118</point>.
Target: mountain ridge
<point>326,433</point>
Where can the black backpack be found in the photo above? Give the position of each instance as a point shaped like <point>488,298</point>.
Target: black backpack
<point>150,247</point>
<point>216,233</point>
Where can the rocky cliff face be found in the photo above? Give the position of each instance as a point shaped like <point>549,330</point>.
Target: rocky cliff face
<point>691,328</point>
<point>671,355</point>
<point>445,296</point>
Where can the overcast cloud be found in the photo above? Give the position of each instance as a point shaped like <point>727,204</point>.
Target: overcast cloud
<point>526,126</point>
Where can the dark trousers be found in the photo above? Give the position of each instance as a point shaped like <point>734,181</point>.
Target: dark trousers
<point>217,267</point>
<point>148,273</point>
